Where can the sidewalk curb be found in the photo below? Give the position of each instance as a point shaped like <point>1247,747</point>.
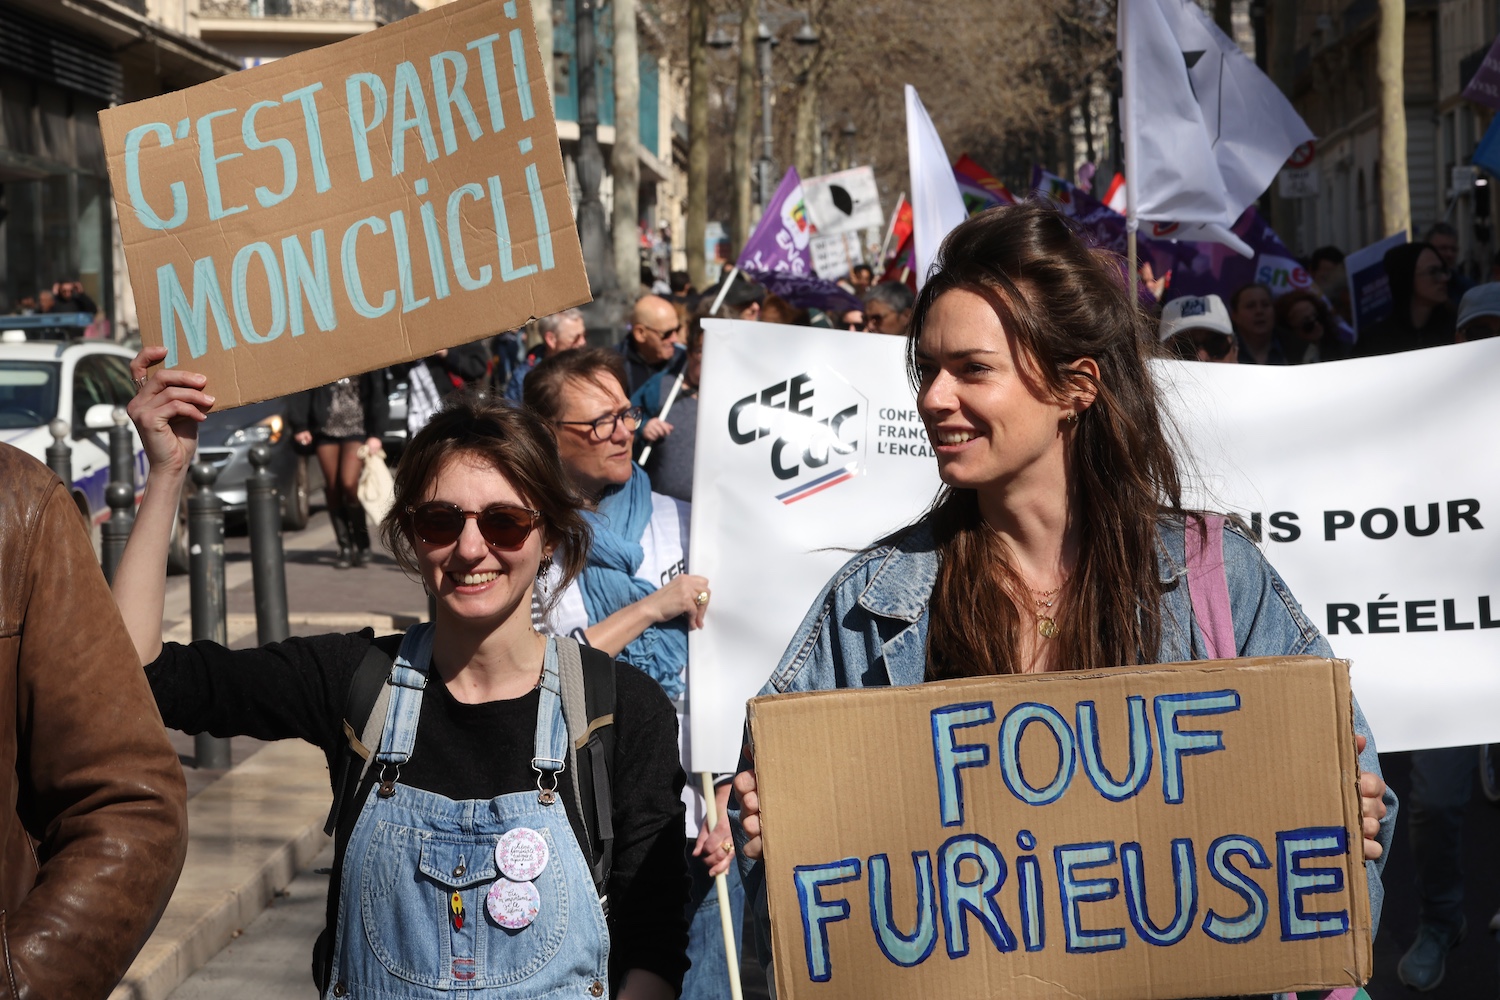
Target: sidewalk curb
<point>249,833</point>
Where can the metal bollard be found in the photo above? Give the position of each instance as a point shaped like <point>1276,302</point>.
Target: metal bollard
<point>119,494</point>
<point>116,531</point>
<point>267,561</point>
<point>59,455</point>
<point>122,450</point>
<point>206,588</point>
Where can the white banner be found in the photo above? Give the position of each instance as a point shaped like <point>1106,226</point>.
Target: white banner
<point>1370,481</point>
<point>844,202</point>
<point>835,256</point>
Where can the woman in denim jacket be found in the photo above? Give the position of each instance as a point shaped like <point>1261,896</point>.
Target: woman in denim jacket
<point>1058,541</point>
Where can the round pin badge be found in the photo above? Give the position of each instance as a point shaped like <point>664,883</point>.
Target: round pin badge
<point>521,854</point>
<point>513,905</point>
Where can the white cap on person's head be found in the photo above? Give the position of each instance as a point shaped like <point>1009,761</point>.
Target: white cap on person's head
<point>1481,300</point>
<point>1194,312</point>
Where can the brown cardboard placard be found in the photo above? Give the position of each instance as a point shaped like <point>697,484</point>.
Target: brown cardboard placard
<point>1172,831</point>
<point>349,207</point>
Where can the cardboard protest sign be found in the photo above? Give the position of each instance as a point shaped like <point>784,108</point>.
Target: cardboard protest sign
<point>1187,830</point>
<point>348,207</point>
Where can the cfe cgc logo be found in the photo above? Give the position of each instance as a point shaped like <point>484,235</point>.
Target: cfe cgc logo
<point>814,422</point>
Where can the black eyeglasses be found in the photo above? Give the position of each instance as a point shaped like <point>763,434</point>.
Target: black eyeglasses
<point>1309,325</point>
<point>1215,345</point>
<point>603,428</point>
<point>504,526</point>
<point>663,334</point>
<point>1436,273</point>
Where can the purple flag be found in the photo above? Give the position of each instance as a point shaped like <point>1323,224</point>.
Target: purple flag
<point>1214,269</point>
<point>1195,268</point>
<point>780,242</point>
<point>807,291</point>
<point>1484,88</point>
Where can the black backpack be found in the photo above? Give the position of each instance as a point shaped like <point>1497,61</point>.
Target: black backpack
<point>588,697</point>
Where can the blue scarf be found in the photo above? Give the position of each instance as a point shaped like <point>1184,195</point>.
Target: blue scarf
<point>609,581</point>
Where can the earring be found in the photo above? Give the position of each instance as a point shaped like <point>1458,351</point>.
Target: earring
<point>544,567</point>
<point>1072,419</point>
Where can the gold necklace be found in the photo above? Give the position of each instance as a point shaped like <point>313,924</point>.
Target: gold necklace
<point>1046,624</point>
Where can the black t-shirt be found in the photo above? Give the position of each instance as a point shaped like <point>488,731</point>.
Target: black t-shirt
<point>299,688</point>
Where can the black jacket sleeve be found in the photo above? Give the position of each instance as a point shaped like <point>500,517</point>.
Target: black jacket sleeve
<point>375,400</point>
<point>470,362</point>
<point>299,411</point>
<point>297,688</point>
<point>648,885</point>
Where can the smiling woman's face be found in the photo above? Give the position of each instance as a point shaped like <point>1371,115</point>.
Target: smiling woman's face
<point>472,579</point>
<point>988,422</point>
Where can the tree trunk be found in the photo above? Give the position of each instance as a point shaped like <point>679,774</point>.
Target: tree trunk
<point>1390,52</point>
<point>1281,66</point>
<point>541,13</point>
<point>697,179</point>
<point>624,161</point>
<point>744,126</point>
<point>805,116</point>
<point>1224,16</point>
<point>591,221</point>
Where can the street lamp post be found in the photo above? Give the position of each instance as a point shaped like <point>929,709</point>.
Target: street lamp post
<point>767,165</point>
<point>773,17</point>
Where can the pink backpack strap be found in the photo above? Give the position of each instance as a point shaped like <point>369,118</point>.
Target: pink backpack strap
<point>1208,587</point>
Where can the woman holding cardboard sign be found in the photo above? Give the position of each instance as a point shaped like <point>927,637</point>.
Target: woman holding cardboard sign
<point>1059,541</point>
<point>506,812</point>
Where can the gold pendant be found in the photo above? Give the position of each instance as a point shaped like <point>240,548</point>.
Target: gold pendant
<point>1046,627</point>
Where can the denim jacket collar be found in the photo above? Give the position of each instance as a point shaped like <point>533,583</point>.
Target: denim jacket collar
<point>902,586</point>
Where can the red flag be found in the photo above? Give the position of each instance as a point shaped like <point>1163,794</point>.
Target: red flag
<point>980,188</point>
<point>903,267</point>
<point>901,231</point>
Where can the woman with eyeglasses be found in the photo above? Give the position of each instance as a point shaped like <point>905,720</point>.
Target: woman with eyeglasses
<point>1421,313</point>
<point>636,599</point>
<point>467,868</point>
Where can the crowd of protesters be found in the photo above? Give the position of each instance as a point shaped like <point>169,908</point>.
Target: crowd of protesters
<point>1432,302</point>
<point>575,465</point>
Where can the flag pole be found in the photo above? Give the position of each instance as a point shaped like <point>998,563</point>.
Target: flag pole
<point>724,290</point>
<point>1127,133</point>
<point>890,230</point>
<point>665,409</point>
<point>721,883</point>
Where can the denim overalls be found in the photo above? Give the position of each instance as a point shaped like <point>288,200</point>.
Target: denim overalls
<point>399,933</point>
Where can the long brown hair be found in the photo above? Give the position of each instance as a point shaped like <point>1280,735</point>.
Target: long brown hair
<point>1062,301</point>
<point>518,444</point>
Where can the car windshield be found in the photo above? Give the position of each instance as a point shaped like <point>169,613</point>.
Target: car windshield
<point>28,393</point>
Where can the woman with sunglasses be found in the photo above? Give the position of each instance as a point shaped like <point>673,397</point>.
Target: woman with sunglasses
<point>463,870</point>
<point>1306,327</point>
<point>636,599</point>
<point>1059,540</point>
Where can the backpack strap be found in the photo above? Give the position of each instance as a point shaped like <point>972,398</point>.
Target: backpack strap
<point>1208,586</point>
<point>364,717</point>
<point>588,696</point>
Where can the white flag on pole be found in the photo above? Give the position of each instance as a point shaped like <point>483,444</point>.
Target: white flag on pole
<point>936,204</point>
<point>1207,131</point>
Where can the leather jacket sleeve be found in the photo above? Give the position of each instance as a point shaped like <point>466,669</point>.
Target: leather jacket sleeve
<point>99,833</point>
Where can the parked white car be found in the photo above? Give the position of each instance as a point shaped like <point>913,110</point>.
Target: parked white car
<point>81,383</point>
